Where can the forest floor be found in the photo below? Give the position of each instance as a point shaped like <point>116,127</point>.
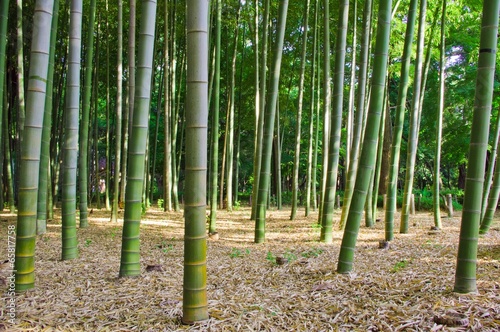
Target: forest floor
<point>406,287</point>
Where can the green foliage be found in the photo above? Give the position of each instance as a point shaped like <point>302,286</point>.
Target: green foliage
<point>430,244</point>
<point>316,226</point>
<point>399,266</point>
<point>114,232</point>
<point>165,247</point>
<point>87,243</point>
<point>160,203</point>
<point>271,257</point>
<point>313,252</point>
<point>289,256</point>
<point>237,253</point>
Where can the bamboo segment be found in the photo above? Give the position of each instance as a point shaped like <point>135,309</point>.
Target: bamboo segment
<point>30,152</point>
<point>130,264</point>
<point>195,306</point>
<point>368,152</point>
<point>465,277</point>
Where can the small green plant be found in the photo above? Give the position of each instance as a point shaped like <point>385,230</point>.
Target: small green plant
<point>235,252</point>
<point>88,242</point>
<point>160,203</point>
<point>236,205</point>
<point>313,252</point>
<point>289,256</point>
<point>316,226</point>
<point>399,266</point>
<point>168,248</point>
<point>114,231</point>
<point>271,258</point>
<point>165,247</point>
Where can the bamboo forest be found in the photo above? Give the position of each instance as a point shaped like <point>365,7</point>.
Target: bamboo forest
<point>249,165</point>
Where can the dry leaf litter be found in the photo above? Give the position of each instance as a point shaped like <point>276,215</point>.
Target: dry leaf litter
<point>288,283</point>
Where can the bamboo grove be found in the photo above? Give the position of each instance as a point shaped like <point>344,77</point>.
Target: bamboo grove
<point>206,105</point>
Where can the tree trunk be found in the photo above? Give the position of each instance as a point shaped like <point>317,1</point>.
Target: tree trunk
<point>326,104</point>
<point>368,152</point>
<point>465,277</point>
<point>272,98</point>
<point>214,166</point>
<point>310,180</point>
<point>118,121</point>
<point>194,303</point>
<point>108,116</point>
<point>8,161</point>
<point>414,122</point>
<point>491,166</point>
<point>21,97</point>
<point>439,124</point>
<point>230,120</point>
<point>127,115</point>
<point>487,220</point>
<point>42,206</point>
<point>296,162</point>
<point>130,253</point>
<point>336,121</point>
<point>70,143</point>
<point>360,112</point>
<point>392,180</point>
<point>352,90</point>
<point>30,152</point>
<point>262,112</point>
<point>84,128</point>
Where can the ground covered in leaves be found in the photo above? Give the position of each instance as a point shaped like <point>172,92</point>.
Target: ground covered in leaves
<point>406,287</point>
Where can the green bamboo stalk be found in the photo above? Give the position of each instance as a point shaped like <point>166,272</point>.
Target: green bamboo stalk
<point>167,164</point>
<point>439,124</point>
<point>326,104</point>
<point>30,150</point>
<point>70,143</point>
<point>130,253</point>
<point>97,170</point>
<point>21,111</point>
<point>230,120</point>
<point>360,111</point>
<point>108,116</point>
<point>4,16</point>
<point>296,163</point>
<point>465,277</point>
<point>258,111</point>
<point>491,166</point>
<point>8,163</point>
<point>194,304</point>
<point>369,147</point>
<point>380,150</point>
<point>392,189</point>
<point>262,108</point>
<point>491,208</point>
<point>267,141</point>
<point>119,113</point>
<point>414,121</point>
<point>310,180</point>
<point>42,206</point>
<point>336,121</point>
<point>127,115</point>
<point>214,166</point>
<point>352,89</point>
<point>84,126</point>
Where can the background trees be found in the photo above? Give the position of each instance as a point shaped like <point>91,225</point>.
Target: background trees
<point>251,34</point>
